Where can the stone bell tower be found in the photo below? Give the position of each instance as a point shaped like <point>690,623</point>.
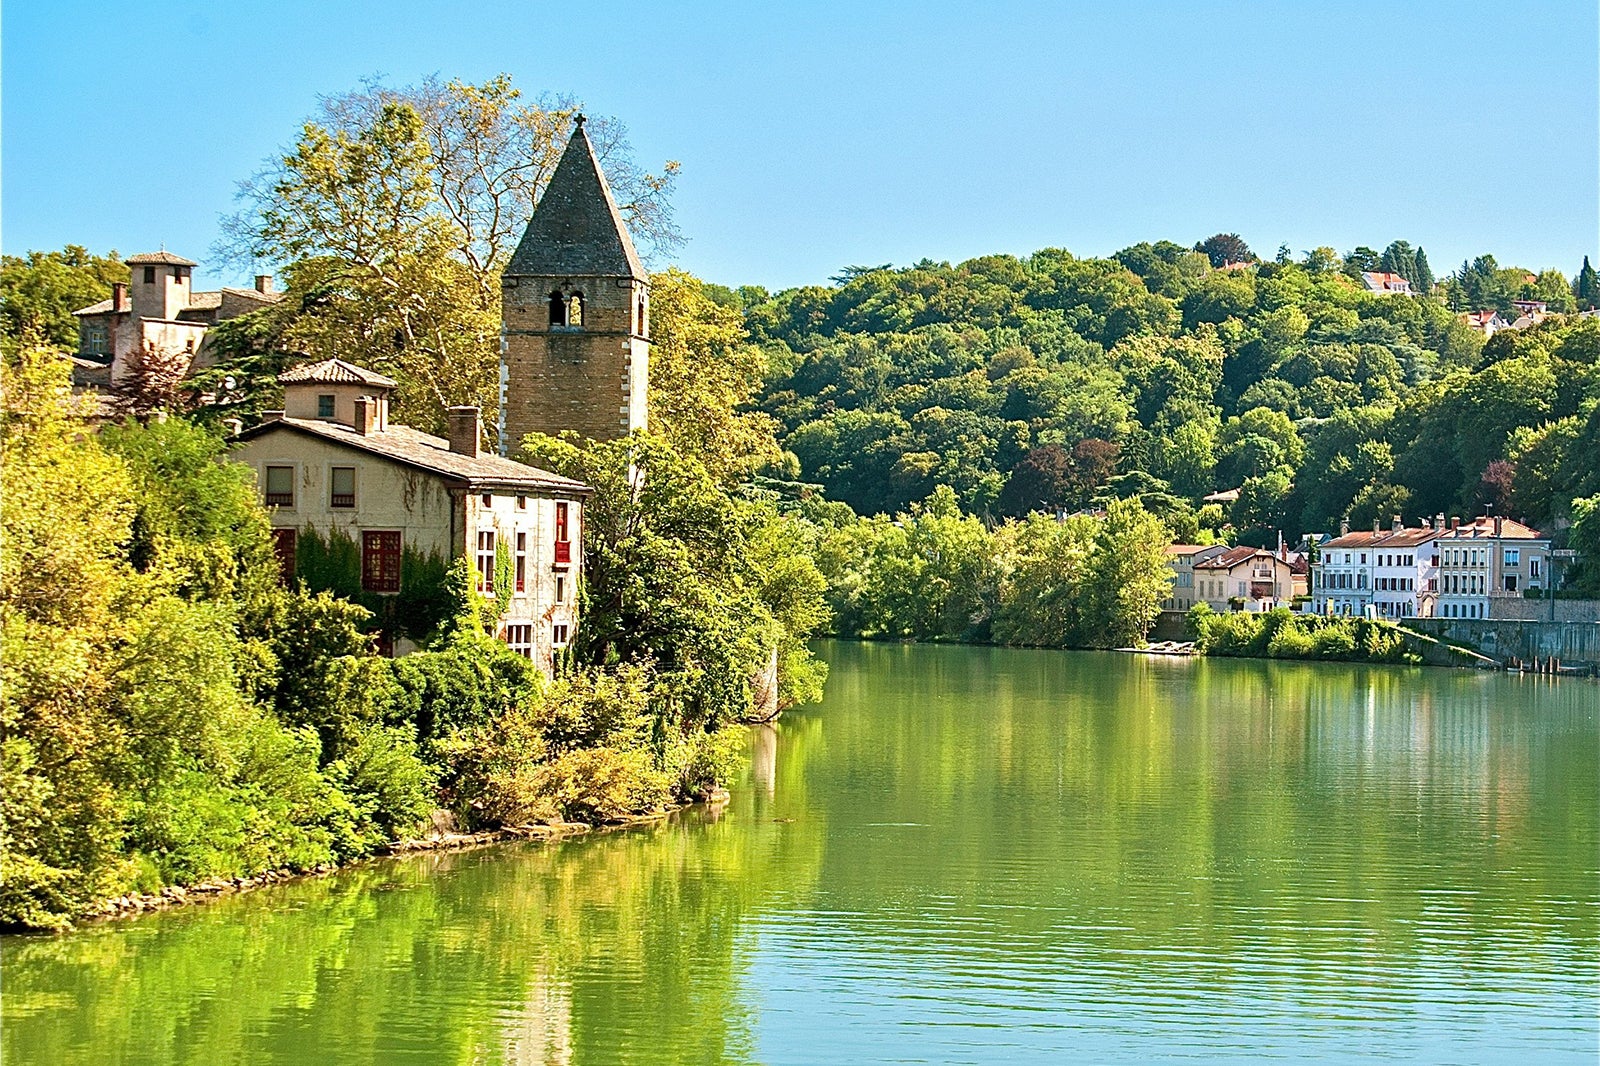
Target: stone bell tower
<point>575,308</point>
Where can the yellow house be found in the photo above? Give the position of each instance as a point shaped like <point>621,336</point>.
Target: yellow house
<point>331,463</point>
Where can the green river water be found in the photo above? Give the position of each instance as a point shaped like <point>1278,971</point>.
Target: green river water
<point>963,855</point>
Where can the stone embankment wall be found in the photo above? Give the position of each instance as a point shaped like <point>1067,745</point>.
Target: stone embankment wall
<point>1573,643</point>
<point>1515,609</point>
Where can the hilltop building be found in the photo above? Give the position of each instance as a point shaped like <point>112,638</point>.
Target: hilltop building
<point>332,463</point>
<point>1381,281</point>
<point>158,311</point>
<point>575,304</point>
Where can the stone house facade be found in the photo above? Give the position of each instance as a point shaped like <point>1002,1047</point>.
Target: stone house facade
<point>1260,579</point>
<point>1489,563</point>
<point>333,463</point>
<point>158,312</point>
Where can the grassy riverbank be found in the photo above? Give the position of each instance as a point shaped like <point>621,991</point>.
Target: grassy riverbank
<point>1282,634</point>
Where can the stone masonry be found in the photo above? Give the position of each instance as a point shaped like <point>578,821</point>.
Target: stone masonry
<point>574,350</point>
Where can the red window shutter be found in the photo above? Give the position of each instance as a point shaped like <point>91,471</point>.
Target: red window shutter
<point>380,561</point>
<point>284,542</point>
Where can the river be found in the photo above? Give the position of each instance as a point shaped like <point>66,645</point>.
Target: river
<point>963,855</point>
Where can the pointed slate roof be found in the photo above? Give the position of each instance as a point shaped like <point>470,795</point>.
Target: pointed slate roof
<point>576,230</point>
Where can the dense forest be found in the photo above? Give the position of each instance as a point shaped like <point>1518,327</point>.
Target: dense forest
<point>1167,373</point>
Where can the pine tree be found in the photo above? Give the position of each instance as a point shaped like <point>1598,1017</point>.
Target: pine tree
<point>1422,284</point>
<point>1587,287</point>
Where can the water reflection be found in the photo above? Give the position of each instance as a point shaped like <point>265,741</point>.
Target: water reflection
<point>965,855</point>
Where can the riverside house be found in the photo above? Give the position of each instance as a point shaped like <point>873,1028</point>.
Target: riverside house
<point>1251,579</point>
<point>332,464</point>
<point>1487,562</point>
<point>1387,573</point>
<point>1182,557</point>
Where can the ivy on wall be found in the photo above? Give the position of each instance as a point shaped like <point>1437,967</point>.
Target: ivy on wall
<point>427,599</point>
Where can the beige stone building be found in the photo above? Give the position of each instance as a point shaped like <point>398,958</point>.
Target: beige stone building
<point>158,312</point>
<point>332,462</point>
<point>575,303</point>
<point>1253,578</point>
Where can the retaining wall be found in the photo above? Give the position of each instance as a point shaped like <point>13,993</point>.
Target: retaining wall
<point>1571,642</point>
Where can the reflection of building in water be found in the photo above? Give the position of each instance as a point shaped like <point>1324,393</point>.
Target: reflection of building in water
<point>539,1031</point>
<point>764,757</point>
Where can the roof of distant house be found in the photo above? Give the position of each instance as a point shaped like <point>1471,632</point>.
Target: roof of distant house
<point>334,372</point>
<point>161,258</point>
<point>423,451</point>
<point>1225,496</point>
<point>1231,558</point>
<point>1483,526</point>
<point>1382,279</point>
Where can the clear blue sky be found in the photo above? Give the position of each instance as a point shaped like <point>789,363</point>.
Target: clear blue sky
<point>856,132</point>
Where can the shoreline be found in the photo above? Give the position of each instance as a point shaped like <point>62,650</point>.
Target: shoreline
<point>133,904</point>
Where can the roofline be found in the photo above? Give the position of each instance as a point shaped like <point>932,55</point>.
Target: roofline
<point>577,488</point>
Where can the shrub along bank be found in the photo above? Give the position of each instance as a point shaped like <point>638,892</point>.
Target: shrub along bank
<point>1282,634</point>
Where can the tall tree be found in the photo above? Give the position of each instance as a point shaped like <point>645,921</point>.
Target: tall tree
<point>1422,284</point>
<point>39,291</point>
<point>1586,287</point>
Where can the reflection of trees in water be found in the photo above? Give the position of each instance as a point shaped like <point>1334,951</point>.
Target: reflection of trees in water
<point>522,954</point>
<point>1099,805</point>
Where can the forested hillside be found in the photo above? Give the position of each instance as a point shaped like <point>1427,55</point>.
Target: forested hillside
<point>1169,373</point>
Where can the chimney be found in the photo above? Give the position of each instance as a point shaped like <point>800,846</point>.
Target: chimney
<point>366,421</point>
<point>1396,525</point>
<point>234,426</point>
<point>1499,525</point>
<point>1455,523</point>
<point>1377,526</point>
<point>464,430</point>
<point>1439,520</point>
<point>1344,526</point>
<point>271,416</point>
<point>264,283</point>
<point>119,296</point>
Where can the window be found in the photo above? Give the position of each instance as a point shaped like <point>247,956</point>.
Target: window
<point>558,309</point>
<point>380,561</point>
<point>488,499</point>
<point>1513,556</point>
<point>486,560</point>
<point>343,481</point>
<point>283,546</point>
<point>1511,582</point>
<point>522,503</point>
<point>519,638</point>
<point>561,588</point>
<point>94,339</point>
<point>280,486</point>
<point>575,310</point>
<point>1533,568</point>
<point>558,635</point>
<point>149,275</point>
<point>325,405</point>
<point>640,329</point>
<point>563,539</point>
<point>522,562</point>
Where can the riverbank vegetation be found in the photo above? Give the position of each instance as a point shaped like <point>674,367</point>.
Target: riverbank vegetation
<point>1282,634</point>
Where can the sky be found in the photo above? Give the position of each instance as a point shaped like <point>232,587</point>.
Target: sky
<point>817,136</point>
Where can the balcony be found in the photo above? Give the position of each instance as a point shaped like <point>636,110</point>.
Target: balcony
<point>343,499</point>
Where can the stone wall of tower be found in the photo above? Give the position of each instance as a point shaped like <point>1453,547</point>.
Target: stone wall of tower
<point>592,378</point>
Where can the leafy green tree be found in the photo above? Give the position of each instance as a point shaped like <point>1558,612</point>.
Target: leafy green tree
<point>1128,576</point>
<point>1223,248</point>
<point>39,292</point>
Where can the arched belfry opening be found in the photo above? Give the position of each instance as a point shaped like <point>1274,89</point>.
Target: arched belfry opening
<point>566,309</point>
<point>575,310</point>
<point>558,308</point>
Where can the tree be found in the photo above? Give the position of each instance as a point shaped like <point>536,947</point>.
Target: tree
<point>1422,282</point>
<point>1495,489</point>
<point>1042,481</point>
<point>704,373</point>
<point>39,291</point>
<point>1129,575</point>
<point>1586,287</point>
<point>1224,248</point>
<point>1585,539</point>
